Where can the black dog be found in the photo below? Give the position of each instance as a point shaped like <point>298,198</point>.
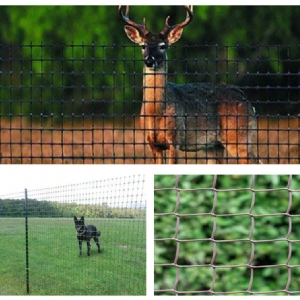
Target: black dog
<point>86,233</point>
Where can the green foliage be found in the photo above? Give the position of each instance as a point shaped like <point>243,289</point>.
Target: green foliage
<point>54,265</point>
<point>16,208</point>
<point>226,202</point>
<point>101,24</point>
<point>76,65</point>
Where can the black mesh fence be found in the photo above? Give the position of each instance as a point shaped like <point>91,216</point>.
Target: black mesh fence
<point>40,245</point>
<point>80,103</point>
<point>227,235</point>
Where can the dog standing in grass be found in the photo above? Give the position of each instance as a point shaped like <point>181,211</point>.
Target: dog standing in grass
<point>86,233</point>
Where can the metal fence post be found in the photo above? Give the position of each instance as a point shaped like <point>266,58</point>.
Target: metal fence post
<point>26,238</point>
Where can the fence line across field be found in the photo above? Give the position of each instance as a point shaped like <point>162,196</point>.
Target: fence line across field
<point>81,103</point>
<point>174,275</point>
<point>116,207</point>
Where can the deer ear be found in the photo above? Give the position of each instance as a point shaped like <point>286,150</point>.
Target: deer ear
<point>133,34</point>
<point>174,35</point>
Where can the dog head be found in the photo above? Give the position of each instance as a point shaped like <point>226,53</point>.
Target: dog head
<point>79,225</point>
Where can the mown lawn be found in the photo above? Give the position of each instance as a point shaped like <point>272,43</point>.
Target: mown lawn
<point>56,269</point>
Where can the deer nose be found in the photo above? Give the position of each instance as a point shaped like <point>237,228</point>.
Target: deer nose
<point>150,61</point>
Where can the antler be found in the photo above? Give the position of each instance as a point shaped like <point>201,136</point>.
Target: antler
<point>125,17</point>
<point>188,19</point>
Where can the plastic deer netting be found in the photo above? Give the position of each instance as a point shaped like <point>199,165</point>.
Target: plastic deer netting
<point>81,103</point>
<point>40,256</point>
<point>227,235</point>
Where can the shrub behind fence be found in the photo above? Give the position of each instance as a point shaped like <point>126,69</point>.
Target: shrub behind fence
<point>226,235</point>
<point>40,256</point>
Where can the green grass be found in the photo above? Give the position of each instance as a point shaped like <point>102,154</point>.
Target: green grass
<point>56,269</point>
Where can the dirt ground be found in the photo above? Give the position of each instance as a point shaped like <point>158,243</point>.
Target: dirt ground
<point>111,143</point>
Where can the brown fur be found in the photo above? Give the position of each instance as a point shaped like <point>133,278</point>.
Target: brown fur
<point>237,132</point>
<point>192,116</point>
<point>238,129</point>
<point>279,140</point>
<point>159,124</point>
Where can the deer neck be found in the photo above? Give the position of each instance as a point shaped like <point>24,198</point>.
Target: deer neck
<point>155,82</point>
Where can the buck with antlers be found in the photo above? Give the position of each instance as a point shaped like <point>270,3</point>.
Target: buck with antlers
<point>192,116</point>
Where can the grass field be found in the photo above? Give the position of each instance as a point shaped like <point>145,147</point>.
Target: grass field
<point>56,269</point>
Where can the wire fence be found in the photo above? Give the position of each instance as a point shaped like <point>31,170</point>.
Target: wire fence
<point>71,103</point>
<point>41,255</point>
<point>227,235</point>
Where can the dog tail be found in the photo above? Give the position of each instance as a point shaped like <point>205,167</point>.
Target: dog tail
<point>98,233</point>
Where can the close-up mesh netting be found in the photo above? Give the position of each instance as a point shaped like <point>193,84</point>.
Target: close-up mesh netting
<point>227,234</point>
<point>41,255</point>
<point>81,103</point>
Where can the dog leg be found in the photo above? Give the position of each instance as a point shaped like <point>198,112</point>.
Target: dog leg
<point>80,247</point>
<point>97,243</point>
<point>88,248</point>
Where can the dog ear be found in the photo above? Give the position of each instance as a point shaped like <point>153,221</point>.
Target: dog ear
<point>82,218</point>
<point>75,219</point>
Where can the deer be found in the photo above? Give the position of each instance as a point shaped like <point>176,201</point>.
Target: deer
<point>193,116</point>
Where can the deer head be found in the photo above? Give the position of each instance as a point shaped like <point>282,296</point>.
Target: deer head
<point>154,46</point>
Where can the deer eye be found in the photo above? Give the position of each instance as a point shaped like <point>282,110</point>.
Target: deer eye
<point>143,46</point>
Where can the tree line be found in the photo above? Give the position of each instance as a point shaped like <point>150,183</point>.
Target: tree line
<point>77,60</point>
<point>16,208</point>
<point>101,24</point>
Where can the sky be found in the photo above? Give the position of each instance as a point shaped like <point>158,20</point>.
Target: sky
<point>15,178</point>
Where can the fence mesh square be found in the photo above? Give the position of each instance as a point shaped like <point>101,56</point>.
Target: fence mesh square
<point>47,243</point>
<point>227,234</point>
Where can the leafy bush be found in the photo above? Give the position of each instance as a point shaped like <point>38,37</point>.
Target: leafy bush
<point>220,221</point>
